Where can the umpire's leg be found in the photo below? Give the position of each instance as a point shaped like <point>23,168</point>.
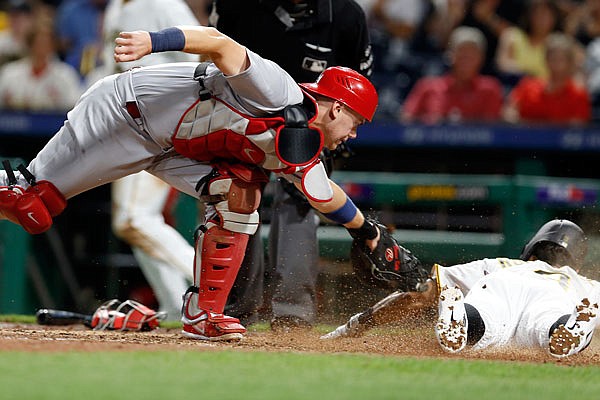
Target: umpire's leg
<point>293,258</point>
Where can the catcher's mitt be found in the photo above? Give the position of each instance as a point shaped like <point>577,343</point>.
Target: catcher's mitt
<point>389,266</point>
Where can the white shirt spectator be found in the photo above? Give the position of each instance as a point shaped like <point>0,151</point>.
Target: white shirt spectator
<point>55,88</point>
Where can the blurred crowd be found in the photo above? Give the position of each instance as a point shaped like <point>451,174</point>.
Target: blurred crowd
<point>436,61</point>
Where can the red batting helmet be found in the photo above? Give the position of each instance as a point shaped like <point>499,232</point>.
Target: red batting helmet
<point>347,86</point>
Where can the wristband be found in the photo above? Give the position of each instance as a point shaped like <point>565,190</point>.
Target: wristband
<point>170,39</point>
<point>368,231</point>
<point>344,214</point>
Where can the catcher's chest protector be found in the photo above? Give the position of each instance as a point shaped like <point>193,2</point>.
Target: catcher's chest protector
<point>211,129</point>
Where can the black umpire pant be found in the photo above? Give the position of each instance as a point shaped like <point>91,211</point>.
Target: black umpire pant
<point>292,270</point>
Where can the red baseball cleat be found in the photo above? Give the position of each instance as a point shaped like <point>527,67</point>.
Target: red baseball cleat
<point>215,327</point>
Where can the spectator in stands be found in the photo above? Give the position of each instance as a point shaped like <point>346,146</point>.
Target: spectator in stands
<point>521,49</point>
<point>397,20</point>
<point>430,40</point>
<point>392,25</point>
<point>12,39</point>
<point>583,21</point>
<point>78,28</point>
<point>39,81</point>
<point>592,70</point>
<point>493,17</point>
<point>461,95</point>
<point>555,99</point>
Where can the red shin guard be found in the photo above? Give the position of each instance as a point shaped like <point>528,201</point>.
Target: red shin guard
<point>219,255</point>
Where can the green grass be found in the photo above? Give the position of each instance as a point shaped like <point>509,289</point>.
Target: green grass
<point>241,374</point>
<point>16,318</point>
<point>232,374</point>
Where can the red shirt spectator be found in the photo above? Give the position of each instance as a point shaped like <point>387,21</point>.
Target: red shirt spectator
<point>536,103</point>
<point>555,99</point>
<point>444,98</point>
<point>461,95</point>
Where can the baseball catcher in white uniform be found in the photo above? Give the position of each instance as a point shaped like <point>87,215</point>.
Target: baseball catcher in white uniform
<point>209,130</point>
<point>538,300</point>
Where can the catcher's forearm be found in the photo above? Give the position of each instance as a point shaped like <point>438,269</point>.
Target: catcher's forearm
<point>340,209</point>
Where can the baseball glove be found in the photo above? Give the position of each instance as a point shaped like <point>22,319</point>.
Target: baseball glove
<point>390,266</point>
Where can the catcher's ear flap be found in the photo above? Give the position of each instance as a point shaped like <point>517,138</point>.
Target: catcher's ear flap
<point>296,144</point>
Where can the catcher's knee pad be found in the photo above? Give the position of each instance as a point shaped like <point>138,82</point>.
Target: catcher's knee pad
<point>25,208</point>
<point>33,208</point>
<point>53,199</point>
<point>219,255</point>
<point>235,191</point>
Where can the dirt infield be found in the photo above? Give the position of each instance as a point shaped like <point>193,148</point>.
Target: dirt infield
<point>418,342</point>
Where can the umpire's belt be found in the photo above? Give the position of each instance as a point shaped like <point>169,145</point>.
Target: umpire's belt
<point>134,111</point>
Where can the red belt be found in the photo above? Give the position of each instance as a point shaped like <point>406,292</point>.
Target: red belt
<point>133,110</point>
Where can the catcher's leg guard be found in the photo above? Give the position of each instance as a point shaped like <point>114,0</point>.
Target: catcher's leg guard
<point>234,192</point>
<point>33,208</point>
<point>219,254</point>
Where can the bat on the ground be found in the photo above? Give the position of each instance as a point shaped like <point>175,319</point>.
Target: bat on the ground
<point>45,316</point>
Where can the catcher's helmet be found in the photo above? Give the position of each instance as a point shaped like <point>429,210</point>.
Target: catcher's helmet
<point>563,233</point>
<point>347,86</point>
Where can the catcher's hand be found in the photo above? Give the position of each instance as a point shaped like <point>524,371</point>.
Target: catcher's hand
<point>389,265</point>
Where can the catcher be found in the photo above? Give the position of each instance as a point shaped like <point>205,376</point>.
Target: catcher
<point>465,289</point>
<point>210,130</point>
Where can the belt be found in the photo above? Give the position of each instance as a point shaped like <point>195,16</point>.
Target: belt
<point>134,111</point>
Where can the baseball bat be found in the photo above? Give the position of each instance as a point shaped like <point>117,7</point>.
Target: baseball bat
<point>45,316</point>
